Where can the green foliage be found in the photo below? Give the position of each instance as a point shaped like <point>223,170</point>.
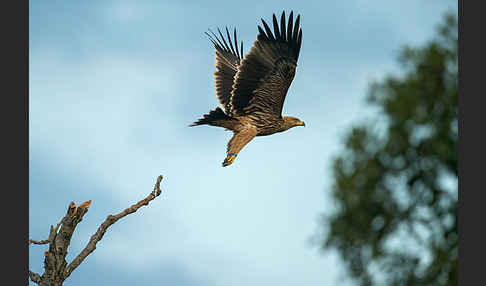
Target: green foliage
<point>396,218</point>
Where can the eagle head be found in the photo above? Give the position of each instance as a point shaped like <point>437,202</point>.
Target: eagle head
<point>290,121</point>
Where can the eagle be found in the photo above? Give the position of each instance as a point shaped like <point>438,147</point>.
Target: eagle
<point>252,89</point>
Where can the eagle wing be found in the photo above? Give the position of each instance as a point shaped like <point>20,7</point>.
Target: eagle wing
<point>265,74</point>
<point>228,59</point>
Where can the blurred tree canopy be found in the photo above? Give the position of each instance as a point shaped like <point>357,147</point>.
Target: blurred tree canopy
<point>395,183</point>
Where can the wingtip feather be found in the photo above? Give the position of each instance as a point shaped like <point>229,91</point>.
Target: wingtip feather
<point>268,31</point>
<point>275,27</point>
<point>282,26</point>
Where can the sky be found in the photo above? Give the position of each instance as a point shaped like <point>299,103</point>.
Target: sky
<point>115,84</point>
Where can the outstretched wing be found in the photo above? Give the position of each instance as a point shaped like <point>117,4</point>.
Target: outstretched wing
<point>267,71</point>
<point>228,59</point>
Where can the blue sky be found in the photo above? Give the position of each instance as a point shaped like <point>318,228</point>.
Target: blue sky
<point>113,86</point>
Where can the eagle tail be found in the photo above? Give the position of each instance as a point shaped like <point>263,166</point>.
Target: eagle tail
<point>215,117</point>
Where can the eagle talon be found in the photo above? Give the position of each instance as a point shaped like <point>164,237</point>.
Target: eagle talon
<point>229,159</point>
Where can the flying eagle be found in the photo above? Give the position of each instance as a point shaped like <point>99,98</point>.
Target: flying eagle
<point>252,89</point>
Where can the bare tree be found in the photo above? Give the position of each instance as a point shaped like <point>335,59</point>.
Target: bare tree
<point>56,268</point>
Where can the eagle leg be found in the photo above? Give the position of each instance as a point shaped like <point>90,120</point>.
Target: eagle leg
<point>239,140</point>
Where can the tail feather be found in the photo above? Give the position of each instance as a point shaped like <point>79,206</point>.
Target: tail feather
<point>213,118</point>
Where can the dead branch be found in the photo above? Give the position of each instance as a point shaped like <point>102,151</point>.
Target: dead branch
<point>55,265</point>
<point>36,278</point>
<point>31,241</point>
<point>111,219</point>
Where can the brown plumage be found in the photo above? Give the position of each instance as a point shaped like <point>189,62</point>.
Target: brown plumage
<point>252,89</point>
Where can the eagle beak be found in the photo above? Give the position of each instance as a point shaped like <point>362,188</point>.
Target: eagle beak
<point>302,123</point>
